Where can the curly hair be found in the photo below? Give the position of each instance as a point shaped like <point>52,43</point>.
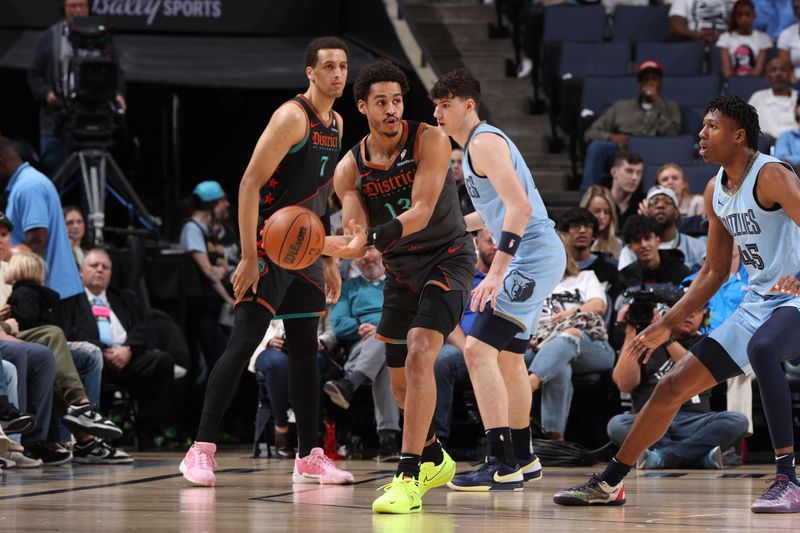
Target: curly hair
<point>639,227</point>
<point>457,83</point>
<point>742,113</point>
<point>380,71</point>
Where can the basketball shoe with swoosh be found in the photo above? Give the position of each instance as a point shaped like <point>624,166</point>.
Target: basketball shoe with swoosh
<point>593,492</point>
<point>432,475</point>
<point>401,496</point>
<point>493,474</point>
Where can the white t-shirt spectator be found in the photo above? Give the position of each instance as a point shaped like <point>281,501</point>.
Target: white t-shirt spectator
<point>585,283</point>
<point>703,14</point>
<point>789,39</point>
<point>744,50</point>
<point>775,113</point>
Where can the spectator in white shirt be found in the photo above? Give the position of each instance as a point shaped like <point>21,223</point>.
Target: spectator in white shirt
<point>743,50</point>
<point>775,106</point>
<point>789,42</point>
<point>699,20</point>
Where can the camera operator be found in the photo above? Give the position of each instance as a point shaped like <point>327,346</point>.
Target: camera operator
<point>48,81</point>
<point>653,266</point>
<point>696,437</point>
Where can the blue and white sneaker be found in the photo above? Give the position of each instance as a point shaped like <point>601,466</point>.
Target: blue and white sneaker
<point>531,469</point>
<point>492,475</point>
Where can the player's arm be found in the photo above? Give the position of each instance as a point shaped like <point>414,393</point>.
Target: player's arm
<point>286,128</point>
<point>779,185</point>
<point>714,272</point>
<point>352,244</point>
<point>491,157</point>
<point>473,221</point>
<point>433,160</point>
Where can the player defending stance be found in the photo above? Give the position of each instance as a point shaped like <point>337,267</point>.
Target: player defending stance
<point>529,263</point>
<point>292,164</point>
<point>755,201</point>
<point>396,183</point>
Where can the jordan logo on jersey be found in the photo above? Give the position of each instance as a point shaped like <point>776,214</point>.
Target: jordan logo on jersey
<point>518,286</point>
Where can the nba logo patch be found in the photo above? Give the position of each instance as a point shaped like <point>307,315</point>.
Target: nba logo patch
<point>518,286</point>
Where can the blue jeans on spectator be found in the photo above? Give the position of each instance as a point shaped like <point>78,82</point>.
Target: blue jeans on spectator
<point>36,370</point>
<point>555,362</point>
<point>88,360</point>
<point>448,369</point>
<point>53,152</point>
<point>8,382</point>
<point>599,157</point>
<point>274,364</point>
<point>689,437</point>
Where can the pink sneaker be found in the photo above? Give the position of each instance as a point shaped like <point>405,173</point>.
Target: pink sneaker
<point>317,468</point>
<point>199,464</point>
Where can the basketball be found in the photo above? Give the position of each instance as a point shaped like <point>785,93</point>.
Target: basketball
<point>293,237</point>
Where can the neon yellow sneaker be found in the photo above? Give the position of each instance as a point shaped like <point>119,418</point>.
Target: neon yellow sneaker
<point>401,496</point>
<point>433,475</point>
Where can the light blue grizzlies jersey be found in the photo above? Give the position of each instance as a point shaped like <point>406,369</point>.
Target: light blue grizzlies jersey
<point>488,203</point>
<point>769,241</point>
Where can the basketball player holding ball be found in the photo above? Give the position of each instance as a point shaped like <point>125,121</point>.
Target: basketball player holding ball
<point>292,164</point>
<point>399,196</point>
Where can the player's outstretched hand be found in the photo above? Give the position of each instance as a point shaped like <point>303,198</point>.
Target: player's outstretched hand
<point>645,342</point>
<point>486,290</point>
<point>245,277</point>
<point>788,285</point>
<point>347,246</point>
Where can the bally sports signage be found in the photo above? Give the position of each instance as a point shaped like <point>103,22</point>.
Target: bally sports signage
<point>152,9</point>
<point>264,17</point>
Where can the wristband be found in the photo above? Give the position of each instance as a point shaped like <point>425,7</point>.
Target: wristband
<point>509,242</point>
<point>381,237</point>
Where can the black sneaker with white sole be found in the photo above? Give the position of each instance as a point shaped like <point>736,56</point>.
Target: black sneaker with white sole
<point>340,392</point>
<point>13,421</point>
<point>85,418</point>
<point>51,453</point>
<point>97,451</point>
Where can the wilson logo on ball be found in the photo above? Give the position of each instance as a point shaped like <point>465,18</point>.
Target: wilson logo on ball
<point>294,248</point>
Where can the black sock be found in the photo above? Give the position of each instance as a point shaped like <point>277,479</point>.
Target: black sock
<point>409,465</point>
<point>615,472</point>
<point>502,447</point>
<point>356,378</point>
<point>785,465</point>
<point>523,450</point>
<point>432,453</point>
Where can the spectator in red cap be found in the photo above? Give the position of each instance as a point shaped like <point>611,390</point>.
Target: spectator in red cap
<point>649,115</point>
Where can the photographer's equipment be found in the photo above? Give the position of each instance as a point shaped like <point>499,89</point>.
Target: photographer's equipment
<point>644,301</point>
<point>91,118</point>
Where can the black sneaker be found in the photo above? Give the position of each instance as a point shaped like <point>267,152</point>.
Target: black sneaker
<point>388,450</point>
<point>50,453</point>
<point>12,421</point>
<point>85,418</point>
<point>97,451</point>
<point>340,391</point>
<point>283,445</point>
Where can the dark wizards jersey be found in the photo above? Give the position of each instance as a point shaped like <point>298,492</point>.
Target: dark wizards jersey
<point>305,175</point>
<point>386,191</point>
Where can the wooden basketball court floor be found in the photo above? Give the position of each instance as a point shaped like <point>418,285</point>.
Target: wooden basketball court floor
<point>256,495</point>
